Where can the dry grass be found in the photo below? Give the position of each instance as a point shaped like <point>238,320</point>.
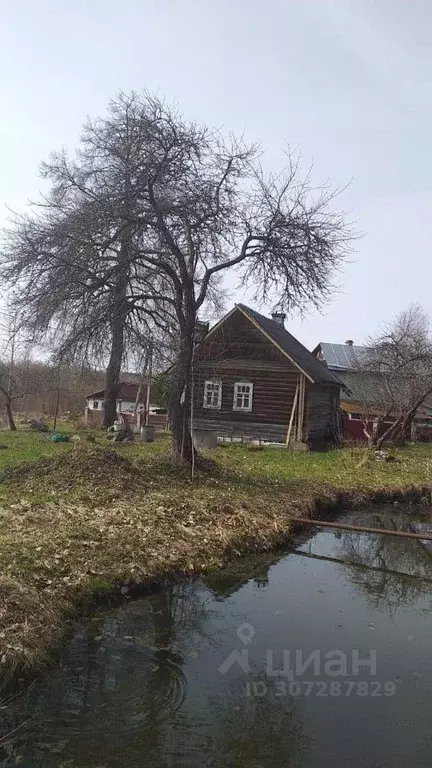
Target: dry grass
<point>89,521</point>
<point>20,603</point>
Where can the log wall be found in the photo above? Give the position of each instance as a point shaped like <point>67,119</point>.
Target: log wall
<point>238,351</point>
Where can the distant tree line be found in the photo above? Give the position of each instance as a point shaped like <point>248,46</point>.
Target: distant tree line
<point>39,389</point>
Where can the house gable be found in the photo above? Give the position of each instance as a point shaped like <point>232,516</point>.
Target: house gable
<point>253,317</point>
<point>252,377</point>
<point>277,338</point>
<point>238,340</point>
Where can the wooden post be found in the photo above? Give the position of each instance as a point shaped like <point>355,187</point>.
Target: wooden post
<point>150,374</point>
<point>301,405</point>
<point>56,408</point>
<point>293,409</point>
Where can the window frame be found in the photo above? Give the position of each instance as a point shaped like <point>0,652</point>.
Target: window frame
<point>218,405</point>
<point>356,417</point>
<point>96,405</point>
<point>243,383</point>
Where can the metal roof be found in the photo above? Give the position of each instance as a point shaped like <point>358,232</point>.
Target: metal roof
<point>363,387</point>
<point>341,357</point>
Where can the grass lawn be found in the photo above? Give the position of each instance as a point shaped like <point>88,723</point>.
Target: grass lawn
<point>25,445</point>
<point>79,521</point>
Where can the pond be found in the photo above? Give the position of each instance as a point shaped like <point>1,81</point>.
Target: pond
<point>295,659</point>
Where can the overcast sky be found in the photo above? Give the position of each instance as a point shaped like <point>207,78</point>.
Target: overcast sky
<point>347,82</point>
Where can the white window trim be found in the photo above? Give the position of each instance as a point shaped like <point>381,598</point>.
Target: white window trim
<point>354,418</point>
<point>236,386</point>
<point>219,400</point>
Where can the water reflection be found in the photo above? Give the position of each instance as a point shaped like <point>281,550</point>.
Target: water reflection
<point>141,685</point>
<point>390,560</point>
<point>121,675</point>
<point>255,731</point>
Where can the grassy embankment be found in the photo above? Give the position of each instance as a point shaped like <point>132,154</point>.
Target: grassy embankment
<point>78,523</point>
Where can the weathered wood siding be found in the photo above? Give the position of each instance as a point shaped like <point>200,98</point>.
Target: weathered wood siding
<point>321,414</point>
<point>237,339</point>
<point>272,433</point>
<point>238,351</point>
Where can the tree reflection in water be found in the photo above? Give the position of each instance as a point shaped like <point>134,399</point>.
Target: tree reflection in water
<point>119,696</point>
<point>256,731</point>
<point>392,556</point>
<point>122,695</point>
<point>120,684</point>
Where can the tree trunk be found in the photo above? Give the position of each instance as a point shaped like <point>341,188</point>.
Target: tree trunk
<point>403,422</point>
<point>404,431</point>
<point>180,399</point>
<point>56,408</point>
<point>112,375</point>
<point>388,433</point>
<point>9,414</point>
<point>141,383</point>
<point>179,409</point>
<point>118,324</point>
<point>372,437</point>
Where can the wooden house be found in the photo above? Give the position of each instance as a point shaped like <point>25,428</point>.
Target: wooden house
<point>126,397</point>
<point>254,380</point>
<point>129,389</point>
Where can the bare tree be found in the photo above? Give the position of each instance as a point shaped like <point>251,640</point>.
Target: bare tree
<point>73,257</point>
<point>146,222</point>
<point>396,371</point>
<point>14,386</point>
<point>207,207</point>
<point>44,382</point>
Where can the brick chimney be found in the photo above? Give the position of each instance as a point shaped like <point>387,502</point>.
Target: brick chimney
<point>349,342</point>
<point>279,318</point>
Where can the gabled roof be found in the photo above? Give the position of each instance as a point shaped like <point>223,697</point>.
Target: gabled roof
<point>127,391</point>
<point>313,369</point>
<point>340,357</point>
<point>130,378</point>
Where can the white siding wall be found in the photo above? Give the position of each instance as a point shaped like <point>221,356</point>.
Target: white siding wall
<point>123,406</point>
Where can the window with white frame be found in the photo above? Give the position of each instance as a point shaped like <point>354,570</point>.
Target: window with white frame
<point>243,391</point>
<point>212,394</point>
